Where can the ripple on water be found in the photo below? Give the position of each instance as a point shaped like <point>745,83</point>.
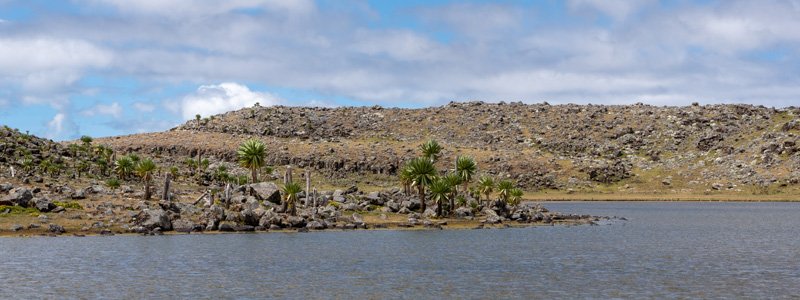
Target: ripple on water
<point>666,250</point>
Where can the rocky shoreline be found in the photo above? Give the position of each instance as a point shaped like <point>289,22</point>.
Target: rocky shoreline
<point>256,207</point>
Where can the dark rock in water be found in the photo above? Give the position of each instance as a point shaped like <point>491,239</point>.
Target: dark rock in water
<point>404,225</point>
<point>349,226</point>
<point>78,235</point>
<point>225,227</point>
<point>377,226</point>
<point>274,227</point>
<point>304,229</point>
<point>245,228</point>
<point>16,227</point>
<point>55,228</point>
<point>106,232</point>
<point>260,228</point>
<point>479,227</point>
<point>157,231</point>
<point>266,191</point>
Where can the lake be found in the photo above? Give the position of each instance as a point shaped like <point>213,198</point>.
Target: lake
<point>665,250</point>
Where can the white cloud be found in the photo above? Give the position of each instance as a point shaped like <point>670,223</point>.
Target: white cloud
<point>617,9</point>
<point>58,102</point>
<point>476,20</point>
<point>214,99</point>
<point>56,126</point>
<point>402,45</point>
<point>194,8</point>
<point>144,107</point>
<point>114,110</point>
<point>60,127</point>
<point>46,65</point>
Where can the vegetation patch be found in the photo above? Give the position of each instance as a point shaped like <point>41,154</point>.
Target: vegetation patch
<point>13,209</point>
<point>69,205</point>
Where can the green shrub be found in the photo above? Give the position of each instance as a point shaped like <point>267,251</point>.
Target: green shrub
<point>68,205</point>
<point>18,209</point>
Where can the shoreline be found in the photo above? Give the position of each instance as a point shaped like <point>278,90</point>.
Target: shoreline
<point>460,225</point>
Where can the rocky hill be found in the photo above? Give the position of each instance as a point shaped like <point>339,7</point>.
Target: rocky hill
<point>635,149</point>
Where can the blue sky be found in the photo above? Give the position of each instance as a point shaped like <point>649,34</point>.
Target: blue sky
<point>114,67</point>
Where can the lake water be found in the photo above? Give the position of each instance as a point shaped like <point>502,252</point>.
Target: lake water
<point>665,250</point>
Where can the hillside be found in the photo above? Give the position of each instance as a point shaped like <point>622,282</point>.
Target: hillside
<point>593,149</point>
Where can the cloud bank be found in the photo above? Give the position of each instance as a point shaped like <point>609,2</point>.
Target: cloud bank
<point>172,59</point>
<point>215,99</point>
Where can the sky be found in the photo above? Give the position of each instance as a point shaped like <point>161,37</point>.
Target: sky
<point>112,67</point>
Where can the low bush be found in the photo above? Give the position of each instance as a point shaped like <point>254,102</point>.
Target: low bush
<point>68,205</point>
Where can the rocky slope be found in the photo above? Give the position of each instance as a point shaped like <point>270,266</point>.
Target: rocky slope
<point>631,148</point>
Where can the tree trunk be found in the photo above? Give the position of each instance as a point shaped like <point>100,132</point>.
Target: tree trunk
<point>314,198</point>
<point>452,202</point>
<point>308,187</point>
<point>147,190</point>
<point>422,198</point>
<point>254,175</point>
<point>165,195</point>
<point>439,208</point>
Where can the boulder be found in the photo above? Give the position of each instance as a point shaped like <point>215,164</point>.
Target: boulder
<point>429,212</point>
<point>19,196</point>
<point>226,227</point>
<point>296,221</point>
<point>139,229</point>
<point>43,204</point>
<point>244,228</point>
<point>266,191</point>
<point>412,221</point>
<point>316,225</point>
<point>185,225</point>
<point>153,218</point>
<point>463,212</point>
<point>357,218</point>
<point>5,187</point>
<point>55,228</point>
<point>274,227</point>
<point>268,218</point>
<point>349,206</point>
<point>16,227</point>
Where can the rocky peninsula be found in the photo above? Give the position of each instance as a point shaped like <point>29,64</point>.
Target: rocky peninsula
<point>356,157</point>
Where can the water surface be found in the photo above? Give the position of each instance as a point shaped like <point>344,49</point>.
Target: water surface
<point>665,250</point>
